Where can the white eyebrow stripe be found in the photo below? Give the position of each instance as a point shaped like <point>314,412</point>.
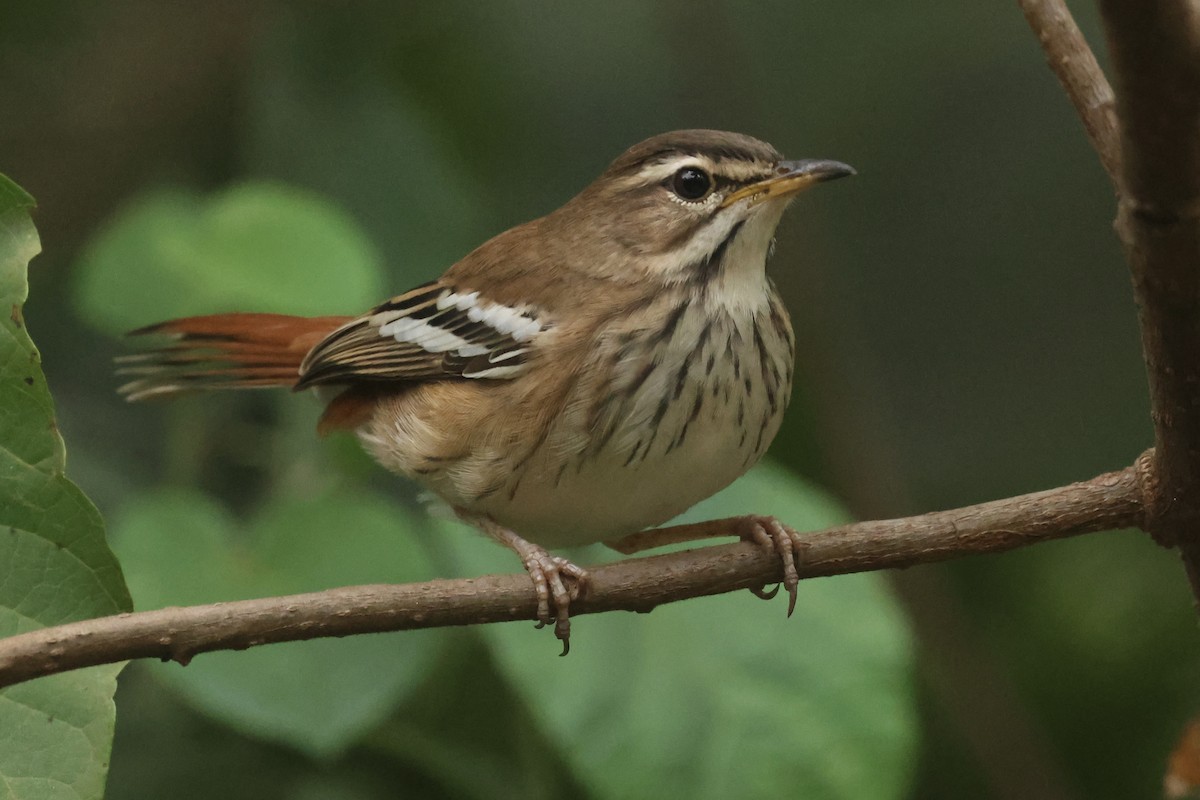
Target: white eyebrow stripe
<point>742,171</point>
<point>661,170</point>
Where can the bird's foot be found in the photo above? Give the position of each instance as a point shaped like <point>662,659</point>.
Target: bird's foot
<point>778,540</point>
<point>556,580</point>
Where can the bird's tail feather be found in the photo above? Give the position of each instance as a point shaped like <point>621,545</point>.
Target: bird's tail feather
<point>223,351</point>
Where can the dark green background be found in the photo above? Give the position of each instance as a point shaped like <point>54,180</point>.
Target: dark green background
<point>966,328</point>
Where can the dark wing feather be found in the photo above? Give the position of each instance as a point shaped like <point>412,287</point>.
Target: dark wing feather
<point>434,331</point>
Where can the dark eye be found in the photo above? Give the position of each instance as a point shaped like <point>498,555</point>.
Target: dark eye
<point>691,183</point>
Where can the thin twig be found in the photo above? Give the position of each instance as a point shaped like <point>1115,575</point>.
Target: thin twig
<point>1155,48</point>
<point>1073,62</point>
<point>1112,500</point>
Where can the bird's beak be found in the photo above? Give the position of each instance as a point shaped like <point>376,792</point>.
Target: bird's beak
<point>790,178</point>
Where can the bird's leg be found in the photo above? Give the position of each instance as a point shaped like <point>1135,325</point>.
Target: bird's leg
<point>554,577</point>
<point>767,532</point>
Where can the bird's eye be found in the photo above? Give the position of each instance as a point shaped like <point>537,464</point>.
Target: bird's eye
<point>691,183</point>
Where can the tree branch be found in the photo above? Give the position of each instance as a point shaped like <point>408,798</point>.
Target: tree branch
<point>1155,158</point>
<point>1155,49</point>
<point>1073,62</point>
<point>1112,500</point>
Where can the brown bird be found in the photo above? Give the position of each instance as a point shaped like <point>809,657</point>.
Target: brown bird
<point>575,379</point>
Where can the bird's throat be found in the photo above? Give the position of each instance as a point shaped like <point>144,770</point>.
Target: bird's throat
<point>738,281</point>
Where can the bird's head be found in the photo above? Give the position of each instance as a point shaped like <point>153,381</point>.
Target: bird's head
<point>676,206</point>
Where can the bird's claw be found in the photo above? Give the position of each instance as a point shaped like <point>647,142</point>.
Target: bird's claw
<point>556,581</point>
<point>762,593</point>
<point>779,540</point>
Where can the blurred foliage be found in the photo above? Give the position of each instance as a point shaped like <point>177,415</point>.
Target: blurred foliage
<point>963,316</point>
<point>315,696</point>
<point>255,246</point>
<point>55,733</point>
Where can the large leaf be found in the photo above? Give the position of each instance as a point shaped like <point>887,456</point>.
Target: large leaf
<point>255,247</point>
<point>724,696</point>
<point>55,567</point>
<point>181,548</point>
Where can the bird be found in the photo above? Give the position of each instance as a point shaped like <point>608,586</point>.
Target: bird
<point>579,378</point>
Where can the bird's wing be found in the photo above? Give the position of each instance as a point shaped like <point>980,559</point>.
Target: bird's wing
<point>433,331</point>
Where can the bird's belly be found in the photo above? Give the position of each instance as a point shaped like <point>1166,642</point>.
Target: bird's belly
<point>646,428</point>
<point>609,494</point>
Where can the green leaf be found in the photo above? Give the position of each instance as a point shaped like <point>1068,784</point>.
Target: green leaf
<point>724,696</point>
<point>181,548</point>
<point>255,247</point>
<point>55,567</point>
<point>13,197</point>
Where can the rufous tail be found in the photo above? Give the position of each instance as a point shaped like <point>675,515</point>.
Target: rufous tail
<point>223,351</point>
